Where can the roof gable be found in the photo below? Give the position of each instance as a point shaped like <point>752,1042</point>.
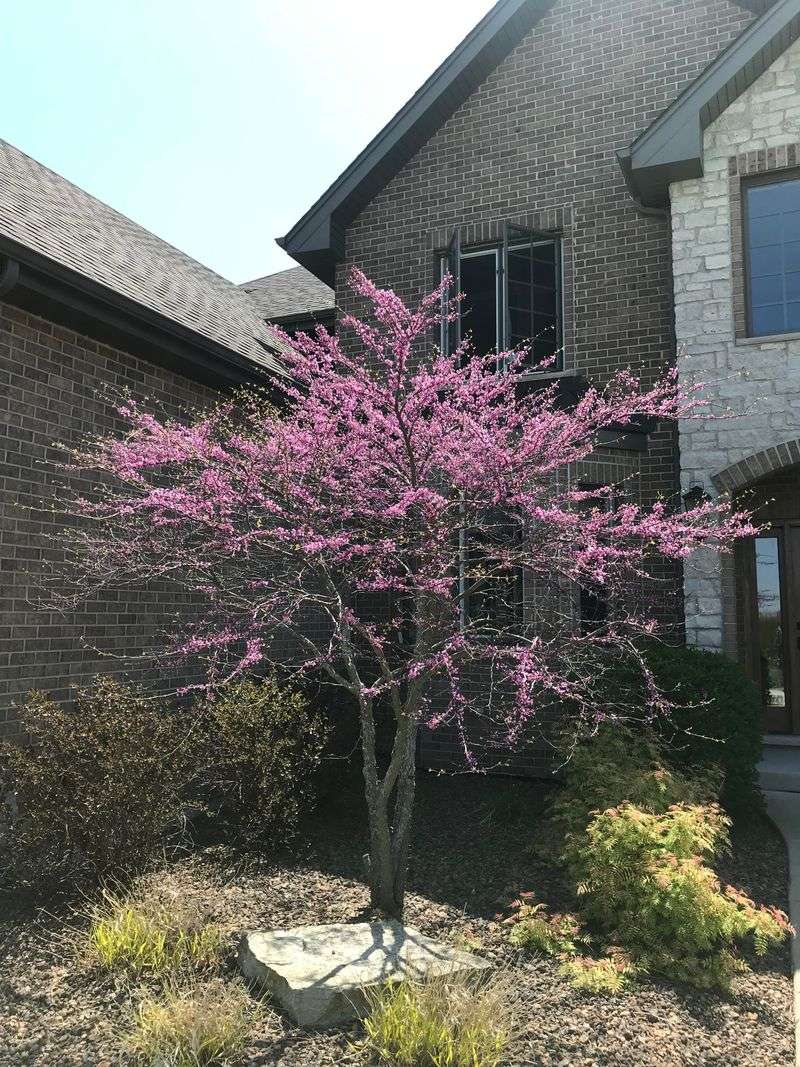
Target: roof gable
<point>671,148</point>
<point>317,239</point>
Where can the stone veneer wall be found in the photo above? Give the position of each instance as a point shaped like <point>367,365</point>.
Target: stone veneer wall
<point>757,133</point>
<point>51,383</point>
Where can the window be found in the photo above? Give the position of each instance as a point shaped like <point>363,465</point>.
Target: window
<point>769,628</point>
<point>511,295</point>
<point>593,605</point>
<point>773,256</point>
<point>480,277</point>
<point>490,588</point>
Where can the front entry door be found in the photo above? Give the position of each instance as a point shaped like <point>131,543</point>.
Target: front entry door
<point>773,591</point>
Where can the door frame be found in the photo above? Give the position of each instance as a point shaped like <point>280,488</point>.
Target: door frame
<point>787,533</point>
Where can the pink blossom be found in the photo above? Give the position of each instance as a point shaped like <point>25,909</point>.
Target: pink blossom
<point>387,464</point>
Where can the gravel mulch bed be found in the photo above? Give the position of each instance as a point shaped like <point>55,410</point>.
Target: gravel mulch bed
<point>473,850</point>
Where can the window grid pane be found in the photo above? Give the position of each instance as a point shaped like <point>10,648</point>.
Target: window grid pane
<point>526,310</point>
<point>773,257</point>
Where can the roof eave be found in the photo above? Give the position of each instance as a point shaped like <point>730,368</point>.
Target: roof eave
<point>649,186</point>
<point>69,298</point>
<point>317,240</point>
<point>319,257</point>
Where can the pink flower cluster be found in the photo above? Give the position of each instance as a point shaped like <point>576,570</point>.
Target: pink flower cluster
<point>386,461</point>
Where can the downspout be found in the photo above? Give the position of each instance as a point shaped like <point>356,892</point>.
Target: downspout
<point>624,160</point>
<point>665,214</point>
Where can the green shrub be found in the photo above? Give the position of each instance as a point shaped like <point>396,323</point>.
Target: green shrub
<point>645,885</point>
<point>532,928</point>
<point>717,720</point>
<point>616,766</point>
<point>439,1022</point>
<point>154,933</point>
<point>264,743</point>
<point>199,1026</point>
<point>610,974</point>
<point>95,786</point>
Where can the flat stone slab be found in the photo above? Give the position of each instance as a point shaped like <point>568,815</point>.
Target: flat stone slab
<point>318,974</point>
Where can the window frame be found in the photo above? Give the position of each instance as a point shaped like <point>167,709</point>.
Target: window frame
<point>773,177</point>
<point>450,259</point>
<point>612,502</point>
<point>466,587</point>
<point>499,297</point>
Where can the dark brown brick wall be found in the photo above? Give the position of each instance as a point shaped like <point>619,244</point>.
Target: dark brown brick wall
<point>50,390</point>
<point>539,136</point>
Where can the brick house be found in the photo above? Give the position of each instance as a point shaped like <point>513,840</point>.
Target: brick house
<point>616,178</point>
<point>619,178</point>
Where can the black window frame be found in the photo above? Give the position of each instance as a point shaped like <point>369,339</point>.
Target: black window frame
<point>513,237</point>
<point>752,182</point>
<point>474,592</point>
<point>589,595</point>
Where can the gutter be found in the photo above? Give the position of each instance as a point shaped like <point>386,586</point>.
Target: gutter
<point>9,276</point>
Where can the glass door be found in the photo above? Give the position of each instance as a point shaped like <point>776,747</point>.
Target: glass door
<point>774,637</point>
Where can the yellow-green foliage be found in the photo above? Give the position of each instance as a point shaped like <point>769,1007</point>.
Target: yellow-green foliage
<point>618,766</point>
<point>610,974</point>
<point>439,1022</point>
<point>645,884</point>
<point>150,933</point>
<point>202,1026</point>
<point>264,745</point>
<point>532,928</point>
<point>640,839</point>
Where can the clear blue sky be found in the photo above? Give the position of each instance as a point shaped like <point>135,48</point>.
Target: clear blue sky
<point>214,124</point>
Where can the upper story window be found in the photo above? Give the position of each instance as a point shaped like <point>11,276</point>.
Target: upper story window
<point>512,295</point>
<point>772,215</point>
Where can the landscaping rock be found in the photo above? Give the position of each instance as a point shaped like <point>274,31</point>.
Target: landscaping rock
<point>318,974</point>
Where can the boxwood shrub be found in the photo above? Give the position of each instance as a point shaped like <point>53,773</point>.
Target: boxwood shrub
<point>715,721</point>
<point>94,787</point>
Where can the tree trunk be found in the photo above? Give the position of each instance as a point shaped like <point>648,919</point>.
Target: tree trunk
<point>390,812</point>
<point>390,839</point>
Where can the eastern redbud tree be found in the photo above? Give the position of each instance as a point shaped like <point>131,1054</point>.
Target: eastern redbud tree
<point>408,522</point>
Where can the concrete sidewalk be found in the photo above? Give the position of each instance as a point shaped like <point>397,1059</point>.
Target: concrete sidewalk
<point>779,769</point>
<point>783,808</point>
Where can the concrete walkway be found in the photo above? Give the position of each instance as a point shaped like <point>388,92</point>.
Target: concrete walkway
<point>784,810</point>
<point>779,770</point>
<point>779,773</point>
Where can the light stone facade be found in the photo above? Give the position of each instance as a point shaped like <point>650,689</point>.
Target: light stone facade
<point>758,379</point>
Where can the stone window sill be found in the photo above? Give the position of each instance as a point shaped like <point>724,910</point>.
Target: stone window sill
<point>546,375</point>
<point>767,339</point>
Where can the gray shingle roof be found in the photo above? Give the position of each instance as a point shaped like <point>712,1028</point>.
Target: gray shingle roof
<point>49,215</point>
<point>290,294</point>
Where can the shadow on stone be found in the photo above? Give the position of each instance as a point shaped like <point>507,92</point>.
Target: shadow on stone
<point>318,974</point>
